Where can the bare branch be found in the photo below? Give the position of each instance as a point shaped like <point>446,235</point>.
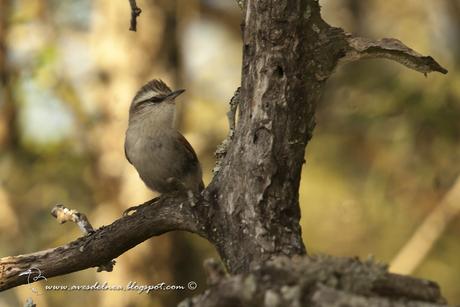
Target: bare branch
<point>389,48</point>
<point>135,12</point>
<point>167,213</point>
<point>63,214</point>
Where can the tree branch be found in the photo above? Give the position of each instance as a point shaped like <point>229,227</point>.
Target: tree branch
<point>358,48</point>
<point>155,217</point>
<point>135,12</point>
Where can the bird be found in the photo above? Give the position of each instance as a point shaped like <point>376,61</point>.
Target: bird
<point>163,158</point>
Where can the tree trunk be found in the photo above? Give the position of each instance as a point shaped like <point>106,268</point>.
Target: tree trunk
<point>282,78</point>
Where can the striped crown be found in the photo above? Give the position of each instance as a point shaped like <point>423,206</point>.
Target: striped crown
<point>151,89</point>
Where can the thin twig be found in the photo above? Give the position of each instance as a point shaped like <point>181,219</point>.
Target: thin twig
<point>135,12</point>
<point>63,214</point>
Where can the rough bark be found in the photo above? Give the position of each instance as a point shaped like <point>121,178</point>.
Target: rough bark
<point>318,281</point>
<point>250,212</point>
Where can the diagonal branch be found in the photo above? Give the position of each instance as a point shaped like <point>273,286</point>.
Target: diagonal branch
<point>155,217</point>
<point>358,48</point>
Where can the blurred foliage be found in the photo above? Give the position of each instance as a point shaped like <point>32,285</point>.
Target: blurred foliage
<point>384,153</point>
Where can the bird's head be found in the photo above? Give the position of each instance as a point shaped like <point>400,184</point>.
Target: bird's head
<point>154,93</point>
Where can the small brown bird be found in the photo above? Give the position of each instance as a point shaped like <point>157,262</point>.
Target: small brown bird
<point>164,159</point>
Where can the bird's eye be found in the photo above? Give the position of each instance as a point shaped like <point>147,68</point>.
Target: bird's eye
<point>155,99</point>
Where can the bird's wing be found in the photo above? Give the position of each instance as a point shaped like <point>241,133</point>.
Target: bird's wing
<point>190,151</point>
<point>192,163</point>
<point>190,155</point>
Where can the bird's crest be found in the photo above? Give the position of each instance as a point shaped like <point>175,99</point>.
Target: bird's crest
<point>152,89</point>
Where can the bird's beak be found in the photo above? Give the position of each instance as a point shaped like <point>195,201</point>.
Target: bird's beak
<point>174,94</point>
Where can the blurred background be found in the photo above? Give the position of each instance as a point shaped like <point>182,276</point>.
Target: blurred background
<point>382,170</point>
